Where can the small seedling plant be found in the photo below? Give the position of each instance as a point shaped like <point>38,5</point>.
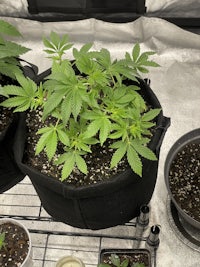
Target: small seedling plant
<point>92,99</point>
<point>10,51</point>
<point>2,240</point>
<point>115,261</point>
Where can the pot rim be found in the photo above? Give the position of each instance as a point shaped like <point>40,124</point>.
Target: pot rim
<point>16,222</point>
<point>185,139</point>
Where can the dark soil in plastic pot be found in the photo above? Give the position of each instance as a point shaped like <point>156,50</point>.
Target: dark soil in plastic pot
<point>140,258</point>
<point>184,179</point>
<point>16,246</point>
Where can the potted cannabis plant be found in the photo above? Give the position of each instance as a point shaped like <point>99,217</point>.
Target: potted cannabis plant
<point>94,131</point>
<point>182,168</point>
<point>15,244</point>
<point>10,65</point>
<point>125,258</point>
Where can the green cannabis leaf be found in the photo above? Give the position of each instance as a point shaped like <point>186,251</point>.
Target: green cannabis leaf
<point>115,260</point>
<point>9,51</point>
<point>8,29</point>
<point>99,122</point>
<point>69,93</point>
<point>2,240</point>
<point>24,97</point>
<point>72,159</point>
<point>56,46</point>
<point>139,61</point>
<point>138,265</point>
<point>48,141</point>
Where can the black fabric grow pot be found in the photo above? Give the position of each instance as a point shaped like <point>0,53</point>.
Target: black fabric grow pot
<point>102,205</point>
<point>10,174</point>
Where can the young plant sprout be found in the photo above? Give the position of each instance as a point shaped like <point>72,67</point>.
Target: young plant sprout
<point>2,240</point>
<point>115,261</point>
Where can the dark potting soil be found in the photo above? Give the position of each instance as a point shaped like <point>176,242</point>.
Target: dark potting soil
<point>98,161</point>
<point>184,179</point>
<point>6,115</point>
<point>132,258</point>
<point>16,245</point>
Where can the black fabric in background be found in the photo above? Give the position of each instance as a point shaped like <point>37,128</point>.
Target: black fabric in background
<point>115,11</point>
<point>86,7</point>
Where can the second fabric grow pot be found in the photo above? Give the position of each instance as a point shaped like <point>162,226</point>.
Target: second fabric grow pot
<point>10,174</point>
<point>105,204</point>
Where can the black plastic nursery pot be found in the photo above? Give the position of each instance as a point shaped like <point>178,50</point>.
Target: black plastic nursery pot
<point>106,204</point>
<point>10,174</point>
<point>133,256</point>
<point>189,138</point>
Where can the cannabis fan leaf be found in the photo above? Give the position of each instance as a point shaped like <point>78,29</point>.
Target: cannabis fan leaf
<point>24,97</point>
<point>117,262</point>
<point>9,51</point>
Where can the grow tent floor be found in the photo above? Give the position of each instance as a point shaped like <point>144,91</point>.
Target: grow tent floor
<point>52,240</point>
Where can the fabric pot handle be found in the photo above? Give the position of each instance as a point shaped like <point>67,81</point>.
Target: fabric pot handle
<point>163,128</point>
<point>43,75</point>
<point>29,70</point>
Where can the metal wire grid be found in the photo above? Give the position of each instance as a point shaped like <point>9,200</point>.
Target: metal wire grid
<point>52,240</point>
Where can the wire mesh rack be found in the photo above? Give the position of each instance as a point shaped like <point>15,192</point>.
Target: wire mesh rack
<point>52,240</point>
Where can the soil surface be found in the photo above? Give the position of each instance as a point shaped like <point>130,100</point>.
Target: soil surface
<point>98,161</point>
<point>6,115</point>
<point>184,179</point>
<point>132,258</point>
<point>16,245</point>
